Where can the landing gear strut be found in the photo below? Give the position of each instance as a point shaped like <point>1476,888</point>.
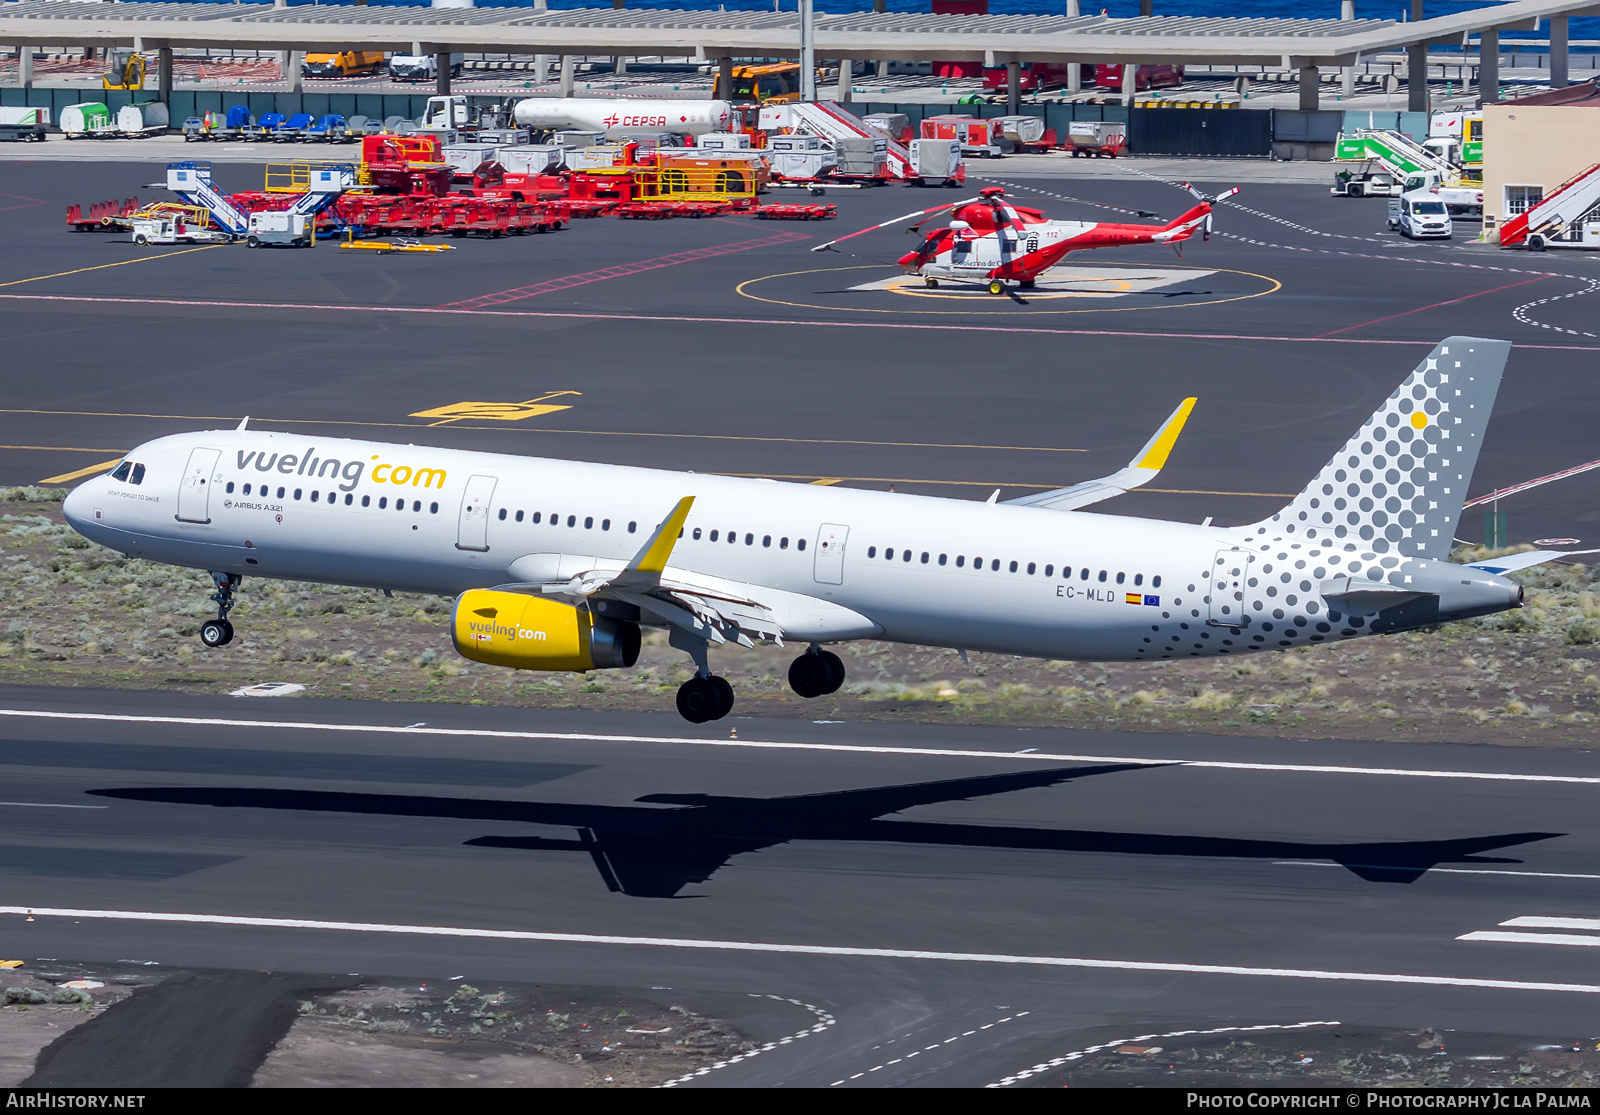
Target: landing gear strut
<point>219,632</point>
<point>816,673</point>
<point>705,698</point>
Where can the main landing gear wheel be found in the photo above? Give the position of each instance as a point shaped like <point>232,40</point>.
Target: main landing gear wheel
<point>931,284</point>
<point>216,633</point>
<point>816,674</point>
<point>996,287</point>
<point>703,699</point>
<point>1028,284</point>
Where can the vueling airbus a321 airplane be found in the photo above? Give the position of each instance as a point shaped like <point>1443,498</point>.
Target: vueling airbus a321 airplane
<point>555,565</point>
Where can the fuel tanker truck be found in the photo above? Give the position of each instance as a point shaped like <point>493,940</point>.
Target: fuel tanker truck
<point>621,119</point>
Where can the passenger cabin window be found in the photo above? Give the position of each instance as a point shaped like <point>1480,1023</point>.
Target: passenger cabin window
<point>605,524</point>
<point>766,541</point>
<point>800,545</point>
<point>383,502</point>
<point>588,522</point>
<point>502,514</point>
<point>537,515</point>
<point>572,520</point>
<point>697,534</point>
<point>961,560</point>
<point>519,516</point>
<point>1102,576</point>
<point>366,501</point>
<point>994,566</point>
<point>941,559</point>
<point>1121,577</point>
<point>1155,582</point>
<point>1138,578</point>
<point>713,536</point>
<point>229,488</point>
<point>783,543</point>
<point>632,527</point>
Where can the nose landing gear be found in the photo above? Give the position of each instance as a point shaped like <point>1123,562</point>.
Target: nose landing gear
<point>705,698</point>
<point>816,673</point>
<point>219,632</point>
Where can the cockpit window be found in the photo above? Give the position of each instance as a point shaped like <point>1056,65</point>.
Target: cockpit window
<point>138,475</point>
<point>122,471</point>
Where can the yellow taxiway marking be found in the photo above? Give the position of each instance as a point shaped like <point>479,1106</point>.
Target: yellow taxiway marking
<point>258,420</point>
<point>61,449</point>
<point>829,480</point>
<point>497,412</point>
<point>81,473</point>
<point>103,266</point>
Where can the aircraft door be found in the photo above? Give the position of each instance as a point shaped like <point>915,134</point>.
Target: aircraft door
<point>828,567</point>
<point>472,533</point>
<point>1230,571</point>
<point>194,493</point>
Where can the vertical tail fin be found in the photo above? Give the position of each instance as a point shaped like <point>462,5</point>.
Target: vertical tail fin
<point>1399,483</point>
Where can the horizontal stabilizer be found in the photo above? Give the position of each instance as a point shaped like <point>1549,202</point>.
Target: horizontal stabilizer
<point>1144,467</point>
<point>1510,563</point>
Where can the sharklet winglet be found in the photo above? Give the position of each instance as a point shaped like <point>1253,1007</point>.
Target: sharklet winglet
<point>652,558</point>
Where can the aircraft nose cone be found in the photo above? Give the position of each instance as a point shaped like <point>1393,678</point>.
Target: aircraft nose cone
<point>75,508</point>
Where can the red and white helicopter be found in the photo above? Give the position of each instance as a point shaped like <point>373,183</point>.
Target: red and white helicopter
<point>990,240</point>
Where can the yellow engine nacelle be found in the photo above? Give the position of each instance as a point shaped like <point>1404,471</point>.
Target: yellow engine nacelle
<point>534,633</point>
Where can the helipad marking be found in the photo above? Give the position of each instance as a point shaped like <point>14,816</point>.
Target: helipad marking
<point>1081,282</point>
<point>802,950</point>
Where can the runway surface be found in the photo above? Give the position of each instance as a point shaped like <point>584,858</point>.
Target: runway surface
<point>725,345</point>
<point>950,906</point>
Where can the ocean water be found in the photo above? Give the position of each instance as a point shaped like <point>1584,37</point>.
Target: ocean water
<point>1588,28</point>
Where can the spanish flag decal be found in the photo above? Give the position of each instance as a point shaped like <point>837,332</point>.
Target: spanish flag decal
<point>1133,598</point>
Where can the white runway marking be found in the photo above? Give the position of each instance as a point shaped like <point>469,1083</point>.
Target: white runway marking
<point>1531,938</point>
<point>930,1048</point>
<point>1449,870</point>
<point>49,805</point>
<point>842,951</point>
<point>1079,1054</point>
<point>1579,939</point>
<point>776,745</point>
<point>824,1020</point>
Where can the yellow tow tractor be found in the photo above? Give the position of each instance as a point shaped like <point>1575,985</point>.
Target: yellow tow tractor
<point>127,71</point>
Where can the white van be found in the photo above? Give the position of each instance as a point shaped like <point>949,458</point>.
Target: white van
<point>1420,215</point>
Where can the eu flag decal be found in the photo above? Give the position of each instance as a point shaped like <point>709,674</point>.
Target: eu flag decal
<point>1153,601</point>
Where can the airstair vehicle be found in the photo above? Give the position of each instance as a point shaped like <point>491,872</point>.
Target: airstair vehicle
<point>192,182</point>
<point>1416,168</point>
<point>1568,218</point>
<point>832,121</point>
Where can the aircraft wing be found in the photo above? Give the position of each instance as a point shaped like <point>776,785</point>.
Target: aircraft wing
<point>1144,467</point>
<point>712,608</point>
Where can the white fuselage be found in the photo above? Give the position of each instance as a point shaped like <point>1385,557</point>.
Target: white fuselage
<point>914,569</point>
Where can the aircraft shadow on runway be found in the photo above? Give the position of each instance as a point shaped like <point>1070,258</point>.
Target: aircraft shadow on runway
<point>647,851</point>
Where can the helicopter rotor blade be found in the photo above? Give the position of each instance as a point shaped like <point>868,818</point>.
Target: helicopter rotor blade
<point>886,224</point>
